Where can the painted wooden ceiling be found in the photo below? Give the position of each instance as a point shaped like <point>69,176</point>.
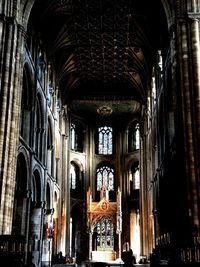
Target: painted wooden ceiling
<point>102,49</point>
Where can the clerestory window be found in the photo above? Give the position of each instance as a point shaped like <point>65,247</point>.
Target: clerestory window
<point>73,136</point>
<point>105,140</point>
<point>135,175</point>
<point>73,177</point>
<point>76,135</point>
<point>134,137</point>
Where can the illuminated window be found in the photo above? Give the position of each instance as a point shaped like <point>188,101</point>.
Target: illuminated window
<point>105,178</point>
<point>75,180</point>
<point>137,136</point>
<point>134,137</point>
<point>73,177</point>
<point>105,140</point>
<point>135,175</point>
<point>105,237</point>
<point>76,137</point>
<point>137,179</point>
<point>73,136</point>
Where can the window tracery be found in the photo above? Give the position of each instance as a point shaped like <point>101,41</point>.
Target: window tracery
<point>105,140</point>
<point>105,178</point>
<point>105,234</point>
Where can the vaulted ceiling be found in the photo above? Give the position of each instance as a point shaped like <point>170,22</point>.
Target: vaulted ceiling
<point>103,51</point>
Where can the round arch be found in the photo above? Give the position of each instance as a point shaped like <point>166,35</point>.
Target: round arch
<point>37,187</point>
<point>78,163</point>
<point>20,198</point>
<point>39,126</point>
<point>27,102</point>
<point>22,151</point>
<point>22,174</point>
<point>41,103</point>
<point>48,196</point>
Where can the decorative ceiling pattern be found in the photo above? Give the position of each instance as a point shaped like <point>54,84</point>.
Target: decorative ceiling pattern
<point>101,47</point>
<point>106,108</point>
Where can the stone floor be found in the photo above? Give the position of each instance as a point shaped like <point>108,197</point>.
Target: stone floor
<point>83,265</point>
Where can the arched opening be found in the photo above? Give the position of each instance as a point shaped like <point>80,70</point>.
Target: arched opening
<point>76,136</point>
<point>50,149</point>
<point>76,235</point>
<point>39,128</point>
<point>26,107</point>
<point>20,215</point>
<point>76,180</point>
<point>105,178</point>
<point>133,137</point>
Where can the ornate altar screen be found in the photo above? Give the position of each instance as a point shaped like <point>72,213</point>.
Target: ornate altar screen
<point>104,219</point>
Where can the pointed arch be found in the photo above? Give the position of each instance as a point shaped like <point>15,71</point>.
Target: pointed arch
<point>105,178</point>
<point>26,6</point>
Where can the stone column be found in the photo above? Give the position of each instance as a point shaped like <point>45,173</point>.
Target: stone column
<point>28,210</point>
<point>36,232</point>
<point>11,47</point>
<point>190,100</point>
<point>65,186</point>
<point>119,223</point>
<point>143,190</point>
<point>90,244</point>
<point>195,45</point>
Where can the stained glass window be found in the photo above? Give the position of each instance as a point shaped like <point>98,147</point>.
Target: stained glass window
<point>105,238</point>
<point>105,145</point>
<point>105,178</point>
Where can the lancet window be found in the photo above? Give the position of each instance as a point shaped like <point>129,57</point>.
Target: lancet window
<point>76,134</point>
<point>134,137</point>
